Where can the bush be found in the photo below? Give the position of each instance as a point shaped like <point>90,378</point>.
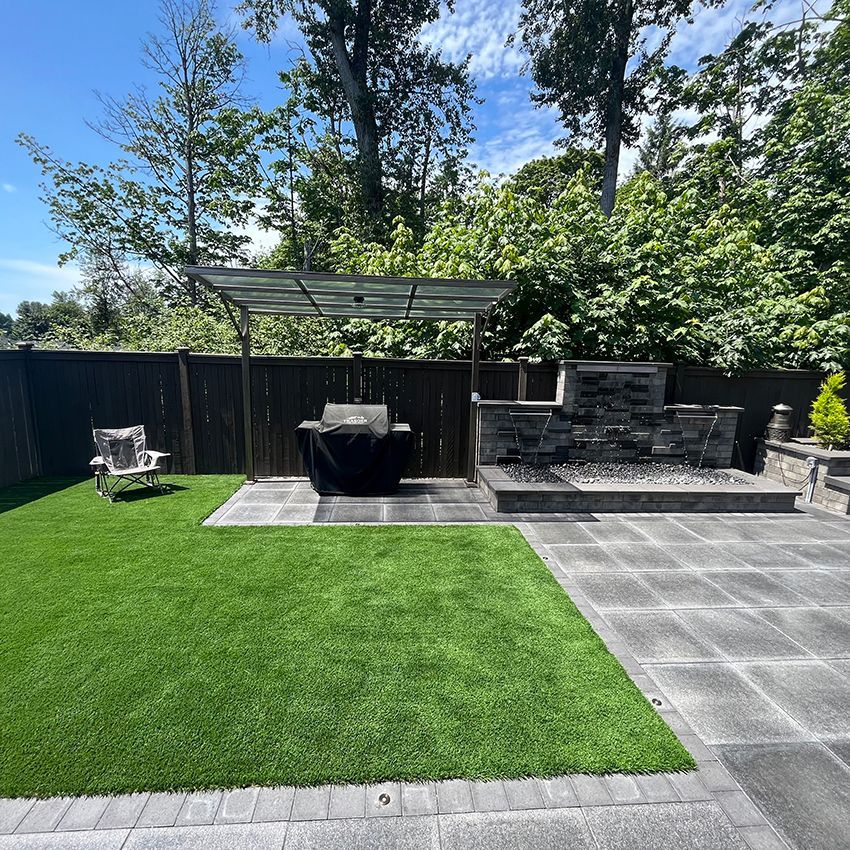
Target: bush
<point>830,421</point>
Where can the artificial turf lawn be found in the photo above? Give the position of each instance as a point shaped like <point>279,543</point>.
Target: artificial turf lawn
<point>141,650</point>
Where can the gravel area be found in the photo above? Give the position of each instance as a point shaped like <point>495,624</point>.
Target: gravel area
<point>620,473</point>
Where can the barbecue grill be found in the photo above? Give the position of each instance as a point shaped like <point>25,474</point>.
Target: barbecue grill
<point>353,450</point>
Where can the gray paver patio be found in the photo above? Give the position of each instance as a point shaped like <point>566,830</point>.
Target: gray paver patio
<point>540,830</point>
<point>737,625</point>
<point>803,789</point>
<point>679,826</point>
<point>740,634</point>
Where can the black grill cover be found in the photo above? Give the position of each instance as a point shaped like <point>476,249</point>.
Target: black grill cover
<point>354,451</point>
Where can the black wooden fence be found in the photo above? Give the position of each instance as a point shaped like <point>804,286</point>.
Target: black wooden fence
<point>18,452</point>
<point>191,405</point>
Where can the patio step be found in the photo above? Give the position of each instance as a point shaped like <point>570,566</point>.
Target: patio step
<point>509,496</point>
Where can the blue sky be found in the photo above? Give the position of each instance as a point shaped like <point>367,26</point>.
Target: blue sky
<point>61,53</point>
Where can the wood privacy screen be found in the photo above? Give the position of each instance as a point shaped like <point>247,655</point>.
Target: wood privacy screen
<point>191,405</point>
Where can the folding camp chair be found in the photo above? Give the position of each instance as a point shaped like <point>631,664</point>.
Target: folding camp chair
<point>124,459</point>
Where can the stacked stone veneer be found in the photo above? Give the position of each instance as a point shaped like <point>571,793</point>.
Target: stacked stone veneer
<point>503,424</point>
<point>607,412</point>
<point>787,463</point>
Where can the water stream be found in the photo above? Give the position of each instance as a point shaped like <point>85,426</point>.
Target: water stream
<point>713,416</point>
<point>515,414</point>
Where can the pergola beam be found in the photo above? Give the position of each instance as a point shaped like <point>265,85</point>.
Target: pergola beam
<point>248,288</point>
<point>200,273</point>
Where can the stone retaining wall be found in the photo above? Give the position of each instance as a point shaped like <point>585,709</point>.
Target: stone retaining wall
<point>787,464</point>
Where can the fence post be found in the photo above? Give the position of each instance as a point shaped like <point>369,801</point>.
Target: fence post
<point>25,348</point>
<point>188,439</point>
<point>522,383</point>
<point>357,378</point>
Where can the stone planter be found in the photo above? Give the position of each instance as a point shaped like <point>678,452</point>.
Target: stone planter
<point>788,464</point>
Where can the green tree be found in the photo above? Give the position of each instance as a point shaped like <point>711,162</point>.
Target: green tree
<point>590,59</point>
<point>661,150</point>
<point>367,69</point>
<point>547,176</point>
<point>188,171</point>
<point>830,420</point>
<point>32,321</point>
<point>62,319</point>
<point>735,89</point>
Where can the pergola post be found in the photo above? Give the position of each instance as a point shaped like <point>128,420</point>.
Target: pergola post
<point>472,456</point>
<point>247,425</point>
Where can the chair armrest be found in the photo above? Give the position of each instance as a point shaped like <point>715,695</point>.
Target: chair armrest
<point>155,456</point>
<point>97,461</point>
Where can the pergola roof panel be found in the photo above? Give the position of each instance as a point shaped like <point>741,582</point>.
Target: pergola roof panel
<point>354,296</point>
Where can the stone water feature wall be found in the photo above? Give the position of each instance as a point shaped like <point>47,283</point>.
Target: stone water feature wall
<point>607,411</point>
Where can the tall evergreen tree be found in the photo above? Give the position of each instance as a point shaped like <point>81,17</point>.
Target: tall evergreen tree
<point>660,151</point>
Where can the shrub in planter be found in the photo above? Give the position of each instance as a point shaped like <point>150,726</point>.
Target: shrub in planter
<point>830,420</point>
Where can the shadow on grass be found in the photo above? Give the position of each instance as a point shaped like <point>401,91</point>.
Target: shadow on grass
<point>31,491</point>
<point>137,494</point>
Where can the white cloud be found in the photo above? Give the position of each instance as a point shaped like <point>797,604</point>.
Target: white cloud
<point>512,148</point>
<point>479,28</point>
<point>8,187</point>
<point>60,274</point>
<point>28,280</point>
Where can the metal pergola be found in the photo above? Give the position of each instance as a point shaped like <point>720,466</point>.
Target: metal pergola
<point>322,295</point>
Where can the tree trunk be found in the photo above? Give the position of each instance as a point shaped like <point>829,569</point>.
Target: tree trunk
<point>614,108</point>
<point>353,77</point>
<point>191,200</point>
<point>423,183</point>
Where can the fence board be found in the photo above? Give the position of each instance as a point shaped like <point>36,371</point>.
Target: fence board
<point>216,388</point>
<point>18,447</point>
<point>284,392</point>
<point>72,395</point>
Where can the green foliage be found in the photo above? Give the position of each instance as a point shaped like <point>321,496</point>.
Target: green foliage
<point>733,89</point>
<point>546,177</point>
<point>669,276</point>
<point>830,420</point>
<point>64,318</point>
<point>547,339</point>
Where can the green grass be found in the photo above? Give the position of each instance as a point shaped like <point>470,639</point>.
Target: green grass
<point>141,650</point>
